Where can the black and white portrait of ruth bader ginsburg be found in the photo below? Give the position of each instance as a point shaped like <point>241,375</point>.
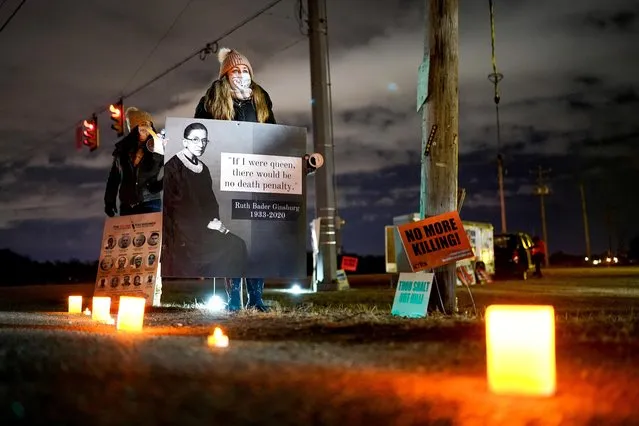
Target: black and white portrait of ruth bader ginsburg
<point>196,242</point>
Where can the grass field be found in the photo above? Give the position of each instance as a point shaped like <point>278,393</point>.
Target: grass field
<point>570,290</point>
<point>598,303</point>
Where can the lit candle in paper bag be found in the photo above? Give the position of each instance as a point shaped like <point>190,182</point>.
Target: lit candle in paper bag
<point>131,313</point>
<point>75,304</point>
<point>218,339</point>
<point>520,349</point>
<point>101,309</point>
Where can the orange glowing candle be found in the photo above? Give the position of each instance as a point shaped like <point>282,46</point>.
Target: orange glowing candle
<point>218,339</point>
<point>130,313</point>
<point>101,309</point>
<point>75,304</point>
<point>520,349</point>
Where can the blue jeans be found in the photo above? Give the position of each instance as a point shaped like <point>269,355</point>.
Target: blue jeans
<point>250,282</point>
<point>254,289</point>
<point>151,206</point>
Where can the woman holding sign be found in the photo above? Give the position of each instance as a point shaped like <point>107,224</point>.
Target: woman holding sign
<point>235,96</point>
<point>136,172</point>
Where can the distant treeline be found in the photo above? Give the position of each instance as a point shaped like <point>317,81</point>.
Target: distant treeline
<point>21,270</point>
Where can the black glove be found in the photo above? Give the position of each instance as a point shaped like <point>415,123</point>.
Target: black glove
<point>154,186</point>
<point>110,210</point>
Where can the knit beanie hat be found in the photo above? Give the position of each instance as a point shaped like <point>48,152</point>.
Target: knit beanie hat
<point>230,58</point>
<point>136,117</point>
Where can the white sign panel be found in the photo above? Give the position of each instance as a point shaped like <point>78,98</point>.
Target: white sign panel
<point>412,294</point>
<point>268,174</point>
<point>129,257</point>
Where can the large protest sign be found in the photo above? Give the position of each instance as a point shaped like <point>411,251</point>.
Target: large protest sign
<point>129,256</point>
<point>435,241</point>
<point>234,200</point>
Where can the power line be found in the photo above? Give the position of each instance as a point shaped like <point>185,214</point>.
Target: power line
<point>286,47</point>
<point>12,15</point>
<point>202,53</point>
<point>205,51</point>
<point>166,33</point>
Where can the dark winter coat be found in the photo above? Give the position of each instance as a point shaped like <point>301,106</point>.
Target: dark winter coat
<point>244,110</point>
<point>134,185</point>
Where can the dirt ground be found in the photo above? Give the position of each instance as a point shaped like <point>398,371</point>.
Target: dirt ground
<point>325,358</point>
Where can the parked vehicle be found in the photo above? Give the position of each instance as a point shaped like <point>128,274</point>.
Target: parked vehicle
<point>513,255</point>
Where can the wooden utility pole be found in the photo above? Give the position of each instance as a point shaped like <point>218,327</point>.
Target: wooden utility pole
<point>440,122</point>
<point>325,203</point>
<point>542,190</point>
<point>500,182</point>
<point>584,211</point>
<point>609,226</point>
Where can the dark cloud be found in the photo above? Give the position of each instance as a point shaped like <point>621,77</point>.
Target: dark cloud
<point>628,140</point>
<point>296,119</point>
<point>589,80</point>
<point>577,103</point>
<point>65,175</point>
<point>620,20</point>
<point>626,96</point>
<point>568,103</point>
<point>376,116</point>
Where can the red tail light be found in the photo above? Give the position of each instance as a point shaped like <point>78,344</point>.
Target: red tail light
<point>515,257</point>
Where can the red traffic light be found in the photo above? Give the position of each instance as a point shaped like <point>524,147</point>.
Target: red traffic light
<point>90,133</point>
<point>117,116</point>
<point>115,110</point>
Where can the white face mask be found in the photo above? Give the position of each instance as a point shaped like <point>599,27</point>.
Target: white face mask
<point>241,81</point>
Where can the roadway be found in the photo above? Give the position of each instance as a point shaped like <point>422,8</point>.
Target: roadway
<point>348,364</point>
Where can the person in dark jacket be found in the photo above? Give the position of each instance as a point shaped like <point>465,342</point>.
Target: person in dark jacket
<point>136,173</point>
<point>538,255</point>
<point>235,95</point>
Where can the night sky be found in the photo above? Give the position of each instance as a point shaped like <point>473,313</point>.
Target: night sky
<point>568,95</point>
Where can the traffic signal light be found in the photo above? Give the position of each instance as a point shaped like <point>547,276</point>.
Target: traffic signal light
<point>117,116</point>
<point>90,133</point>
